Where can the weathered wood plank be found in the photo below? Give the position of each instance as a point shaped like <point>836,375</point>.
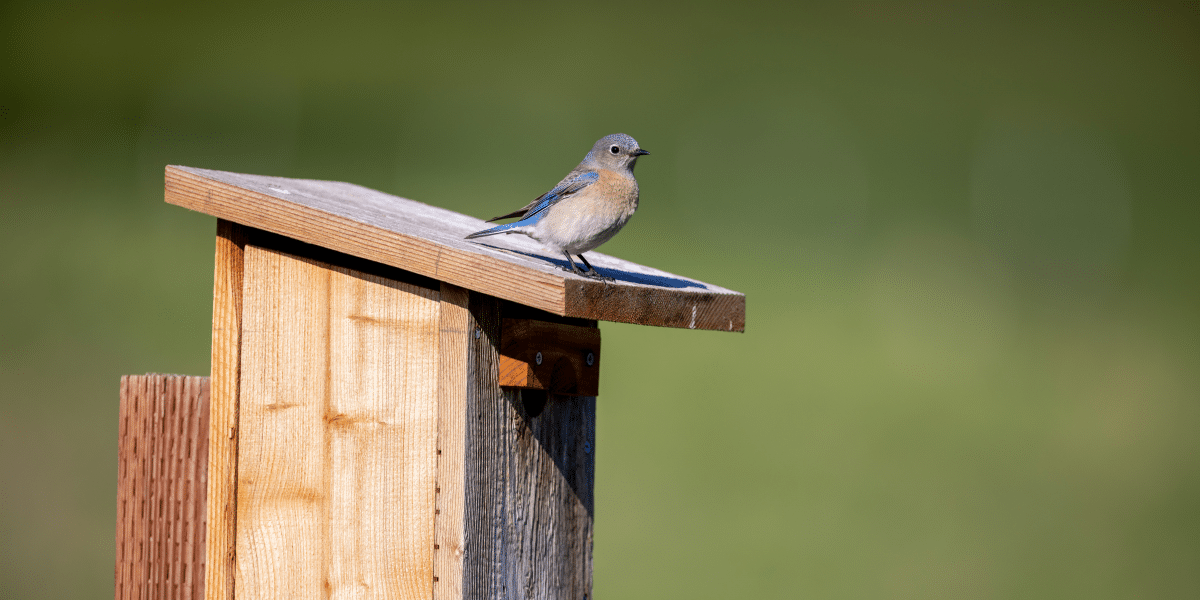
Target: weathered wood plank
<point>161,487</point>
<point>223,423</point>
<point>338,425</point>
<point>429,241</point>
<point>528,482</point>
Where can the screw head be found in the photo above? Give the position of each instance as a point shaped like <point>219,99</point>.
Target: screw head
<point>591,359</point>
<point>538,359</point>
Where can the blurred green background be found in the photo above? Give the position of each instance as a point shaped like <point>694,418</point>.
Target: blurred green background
<point>967,233</point>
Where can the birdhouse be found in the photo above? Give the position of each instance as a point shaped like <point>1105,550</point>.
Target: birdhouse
<point>393,411</point>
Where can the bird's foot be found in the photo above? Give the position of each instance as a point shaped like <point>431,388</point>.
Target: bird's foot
<point>593,274</point>
<point>589,274</point>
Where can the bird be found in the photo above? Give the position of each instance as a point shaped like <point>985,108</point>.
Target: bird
<point>587,208</point>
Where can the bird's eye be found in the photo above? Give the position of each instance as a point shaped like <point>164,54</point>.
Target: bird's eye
<point>615,149</point>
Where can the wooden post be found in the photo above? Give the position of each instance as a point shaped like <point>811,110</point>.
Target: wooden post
<point>162,462</point>
<point>395,412</point>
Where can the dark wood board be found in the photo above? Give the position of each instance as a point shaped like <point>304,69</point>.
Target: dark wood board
<point>528,480</point>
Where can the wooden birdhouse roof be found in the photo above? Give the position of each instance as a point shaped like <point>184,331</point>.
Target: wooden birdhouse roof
<point>428,240</point>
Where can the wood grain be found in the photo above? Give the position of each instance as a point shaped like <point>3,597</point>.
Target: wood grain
<point>162,462</point>
<point>564,351</point>
<point>223,422</point>
<point>338,425</point>
<point>528,482</point>
<point>449,536</point>
<point>429,241</point>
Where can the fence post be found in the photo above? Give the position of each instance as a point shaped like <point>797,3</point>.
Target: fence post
<point>162,458</point>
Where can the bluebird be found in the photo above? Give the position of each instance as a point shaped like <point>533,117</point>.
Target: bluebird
<point>587,208</point>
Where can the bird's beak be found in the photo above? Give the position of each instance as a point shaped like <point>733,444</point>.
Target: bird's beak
<point>639,152</point>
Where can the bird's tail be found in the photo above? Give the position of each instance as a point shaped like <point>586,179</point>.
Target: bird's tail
<point>493,231</point>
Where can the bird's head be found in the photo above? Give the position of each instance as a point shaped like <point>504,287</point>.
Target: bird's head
<point>617,151</point>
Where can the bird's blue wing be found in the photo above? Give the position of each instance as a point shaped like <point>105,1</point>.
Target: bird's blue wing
<point>565,187</point>
<point>537,209</point>
<point>554,196</point>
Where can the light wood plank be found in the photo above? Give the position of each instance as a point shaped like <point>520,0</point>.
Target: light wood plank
<point>221,521</point>
<point>429,241</point>
<point>336,465</point>
<point>449,537</point>
<point>162,461</point>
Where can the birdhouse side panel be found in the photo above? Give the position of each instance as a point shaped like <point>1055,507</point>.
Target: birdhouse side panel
<point>338,425</point>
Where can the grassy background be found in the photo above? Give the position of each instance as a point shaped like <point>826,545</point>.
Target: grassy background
<point>967,235</point>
